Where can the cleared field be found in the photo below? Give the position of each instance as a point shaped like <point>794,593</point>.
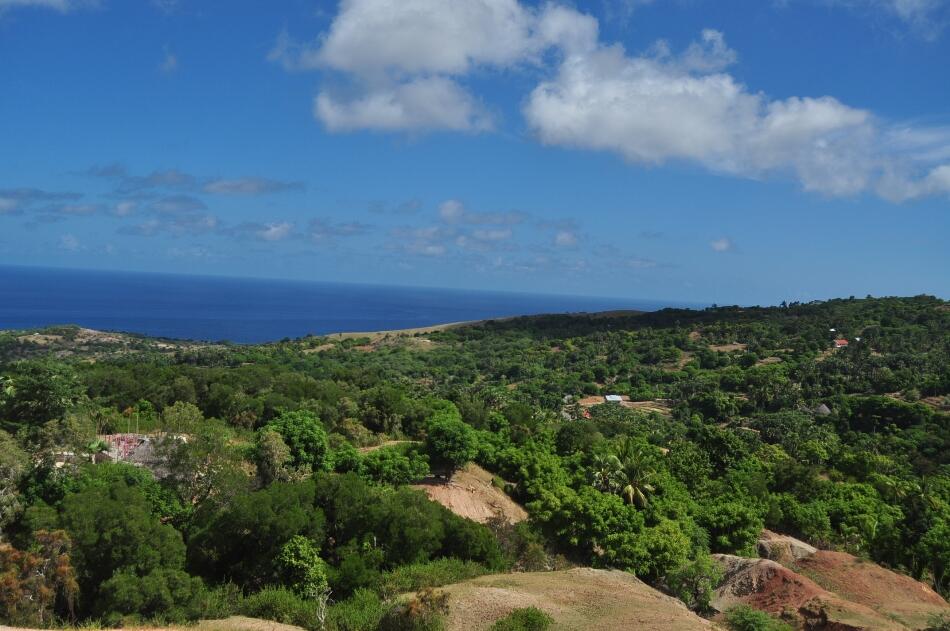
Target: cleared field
<point>580,598</point>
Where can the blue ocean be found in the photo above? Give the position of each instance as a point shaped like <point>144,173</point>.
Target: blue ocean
<point>248,310</point>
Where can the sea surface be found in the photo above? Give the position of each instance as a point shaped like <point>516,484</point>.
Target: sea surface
<point>248,310</point>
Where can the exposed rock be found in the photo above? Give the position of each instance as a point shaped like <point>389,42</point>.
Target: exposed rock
<point>782,548</point>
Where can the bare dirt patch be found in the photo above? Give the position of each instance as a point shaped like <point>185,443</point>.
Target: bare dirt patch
<point>388,443</point>
<point>895,595</point>
<point>684,359</point>
<point>939,403</point>
<point>660,406</point>
<point>319,349</point>
<point>577,599</point>
<point>423,330</point>
<point>728,348</point>
<point>85,336</point>
<point>598,399</point>
<point>40,339</point>
<point>771,587</point>
<point>589,401</point>
<point>470,493</point>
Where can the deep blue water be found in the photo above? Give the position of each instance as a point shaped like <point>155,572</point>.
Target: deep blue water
<point>255,310</point>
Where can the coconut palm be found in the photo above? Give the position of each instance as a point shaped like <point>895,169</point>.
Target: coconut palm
<point>636,472</point>
<point>605,472</point>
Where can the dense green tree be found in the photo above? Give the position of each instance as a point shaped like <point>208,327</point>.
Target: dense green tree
<point>450,443</point>
<point>37,392</point>
<point>307,439</point>
<point>241,541</point>
<point>114,530</point>
<point>394,465</point>
<point>732,525</point>
<point>272,456</point>
<point>205,470</point>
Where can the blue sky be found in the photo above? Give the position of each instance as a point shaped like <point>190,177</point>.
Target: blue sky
<point>694,150</point>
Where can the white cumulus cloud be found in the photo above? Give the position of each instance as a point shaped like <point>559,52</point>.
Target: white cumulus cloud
<point>404,67</point>
<point>658,108</point>
<point>402,60</point>
<point>425,103</point>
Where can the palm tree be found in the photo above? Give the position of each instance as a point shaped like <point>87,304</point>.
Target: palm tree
<point>606,470</point>
<point>636,472</point>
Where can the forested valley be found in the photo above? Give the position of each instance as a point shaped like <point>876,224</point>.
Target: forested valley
<point>280,479</point>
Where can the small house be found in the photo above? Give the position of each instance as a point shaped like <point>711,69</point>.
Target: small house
<point>613,398</point>
<point>841,343</point>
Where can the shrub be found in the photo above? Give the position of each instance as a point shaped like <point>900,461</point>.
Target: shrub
<point>425,612</point>
<point>221,601</point>
<point>167,594</point>
<point>526,619</point>
<point>745,618</point>
<point>939,622</point>
<point>360,612</point>
<point>412,578</point>
<point>694,581</point>
<point>302,568</point>
<point>281,605</point>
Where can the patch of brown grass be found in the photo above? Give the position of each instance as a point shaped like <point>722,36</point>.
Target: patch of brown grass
<point>577,599</point>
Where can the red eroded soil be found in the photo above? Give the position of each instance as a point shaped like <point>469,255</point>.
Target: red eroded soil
<point>762,584</point>
<point>895,595</point>
<point>771,587</point>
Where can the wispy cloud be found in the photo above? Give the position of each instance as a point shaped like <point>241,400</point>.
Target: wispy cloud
<point>406,207</point>
<point>452,211</point>
<point>176,226</point>
<point>249,186</point>
<point>565,239</point>
<point>18,200</point>
<point>177,205</point>
<point>62,6</point>
<point>723,244</point>
<point>169,62</point>
<point>320,230</point>
<point>125,208</point>
<point>127,183</point>
<point>69,242</point>
<point>927,18</point>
